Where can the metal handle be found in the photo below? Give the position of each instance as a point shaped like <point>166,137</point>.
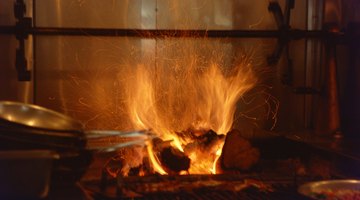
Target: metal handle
<point>98,134</point>
<point>118,146</point>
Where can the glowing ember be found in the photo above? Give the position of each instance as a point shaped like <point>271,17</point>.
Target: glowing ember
<point>186,91</point>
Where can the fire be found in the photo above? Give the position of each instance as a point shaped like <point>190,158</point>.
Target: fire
<point>218,154</point>
<point>154,160</point>
<point>187,90</point>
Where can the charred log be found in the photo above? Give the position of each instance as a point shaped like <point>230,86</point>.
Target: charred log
<point>208,142</point>
<point>209,138</point>
<point>172,160</point>
<point>238,153</point>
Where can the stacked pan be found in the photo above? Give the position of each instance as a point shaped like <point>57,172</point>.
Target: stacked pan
<point>30,127</point>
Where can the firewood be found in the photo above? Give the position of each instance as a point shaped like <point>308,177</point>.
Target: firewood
<point>238,153</point>
<point>207,142</point>
<point>174,160</point>
<point>171,159</point>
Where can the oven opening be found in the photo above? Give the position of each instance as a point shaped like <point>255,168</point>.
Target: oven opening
<point>188,100</point>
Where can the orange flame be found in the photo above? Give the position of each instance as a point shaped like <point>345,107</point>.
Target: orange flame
<point>184,91</point>
<point>155,162</point>
<point>218,154</point>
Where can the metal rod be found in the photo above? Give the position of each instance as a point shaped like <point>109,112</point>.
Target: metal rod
<point>167,33</point>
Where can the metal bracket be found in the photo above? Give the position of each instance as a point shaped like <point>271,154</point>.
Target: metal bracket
<point>283,24</point>
<point>22,24</point>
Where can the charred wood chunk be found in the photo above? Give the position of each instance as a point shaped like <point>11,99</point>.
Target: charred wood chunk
<point>207,137</point>
<point>172,160</point>
<point>126,162</point>
<point>135,171</point>
<point>207,142</point>
<point>238,153</point>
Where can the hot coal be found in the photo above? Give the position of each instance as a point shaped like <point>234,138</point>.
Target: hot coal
<point>238,153</point>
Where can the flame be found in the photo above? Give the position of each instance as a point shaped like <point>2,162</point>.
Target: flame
<point>218,154</point>
<point>154,160</point>
<point>184,91</point>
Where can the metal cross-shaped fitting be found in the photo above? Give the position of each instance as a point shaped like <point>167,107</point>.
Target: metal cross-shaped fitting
<point>22,25</point>
<point>283,23</point>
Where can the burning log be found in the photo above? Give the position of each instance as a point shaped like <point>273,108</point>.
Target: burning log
<point>206,142</point>
<point>238,153</point>
<point>204,150</point>
<point>172,160</point>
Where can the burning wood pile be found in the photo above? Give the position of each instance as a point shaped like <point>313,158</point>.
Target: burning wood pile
<point>240,166</point>
<point>237,153</point>
<point>210,153</point>
<point>189,103</point>
<point>205,153</point>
